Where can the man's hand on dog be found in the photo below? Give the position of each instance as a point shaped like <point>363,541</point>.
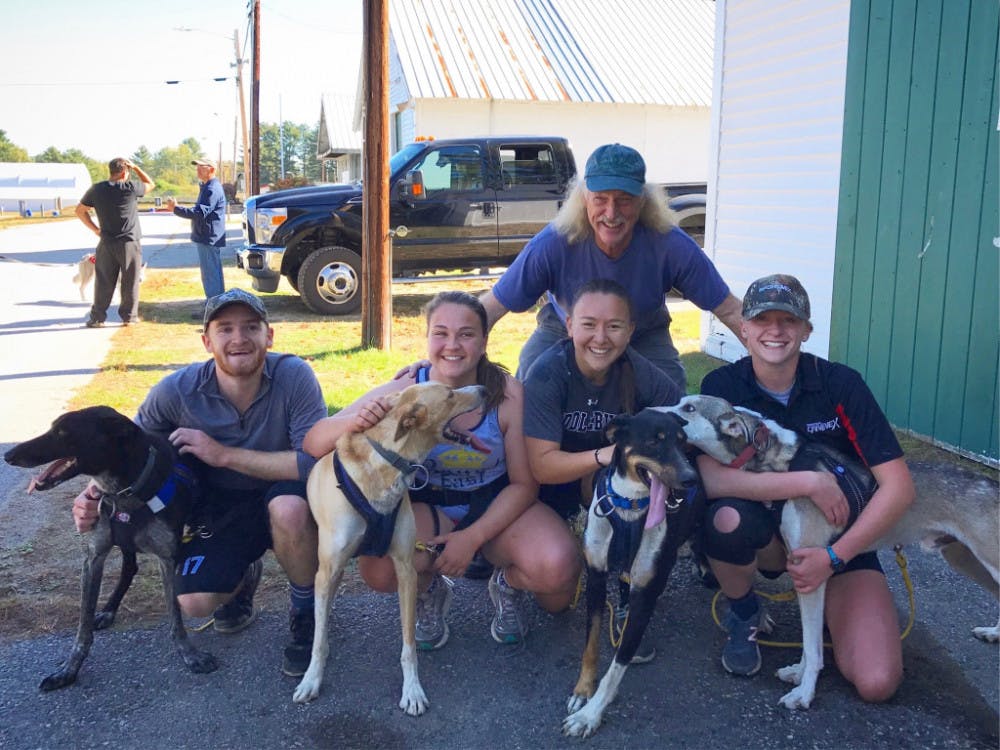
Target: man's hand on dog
<point>829,498</point>
<point>808,567</point>
<point>86,508</point>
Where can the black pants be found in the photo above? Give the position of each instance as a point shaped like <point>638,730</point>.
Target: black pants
<point>114,258</point>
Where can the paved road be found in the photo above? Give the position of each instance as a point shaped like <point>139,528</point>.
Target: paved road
<point>134,692</point>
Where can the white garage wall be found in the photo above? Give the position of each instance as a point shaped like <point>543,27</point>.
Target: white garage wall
<point>778,108</point>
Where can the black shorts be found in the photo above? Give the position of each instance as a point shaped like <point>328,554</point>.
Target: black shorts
<point>224,541</point>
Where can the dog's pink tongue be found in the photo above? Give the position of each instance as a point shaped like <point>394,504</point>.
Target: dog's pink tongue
<point>478,444</point>
<point>657,503</point>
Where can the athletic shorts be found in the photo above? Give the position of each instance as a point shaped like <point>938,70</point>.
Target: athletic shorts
<point>219,546</point>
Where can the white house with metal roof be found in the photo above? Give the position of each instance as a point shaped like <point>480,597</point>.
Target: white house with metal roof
<point>338,144</point>
<point>41,187</point>
<point>638,73</point>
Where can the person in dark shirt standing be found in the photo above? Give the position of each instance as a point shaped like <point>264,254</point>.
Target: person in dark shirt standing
<point>119,251</point>
<point>208,228</point>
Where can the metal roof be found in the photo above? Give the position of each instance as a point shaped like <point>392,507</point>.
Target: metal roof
<point>633,52</point>
<point>337,135</point>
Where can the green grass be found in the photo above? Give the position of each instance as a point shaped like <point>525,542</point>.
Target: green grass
<point>168,339</point>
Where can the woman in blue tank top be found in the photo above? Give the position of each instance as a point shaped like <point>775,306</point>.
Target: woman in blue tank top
<point>473,501</point>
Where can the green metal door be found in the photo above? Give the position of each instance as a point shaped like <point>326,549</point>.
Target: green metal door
<point>915,301</point>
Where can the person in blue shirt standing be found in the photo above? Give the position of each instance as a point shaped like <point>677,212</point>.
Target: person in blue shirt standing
<point>208,228</point>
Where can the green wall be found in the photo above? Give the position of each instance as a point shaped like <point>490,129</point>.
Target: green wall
<point>915,300</point>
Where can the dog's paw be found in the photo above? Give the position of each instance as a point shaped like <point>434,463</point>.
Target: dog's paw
<point>990,634</point>
<point>575,703</point>
<point>199,662</point>
<point>791,674</point>
<point>583,723</point>
<point>58,679</point>
<point>104,620</point>
<point>800,697</point>
<point>414,702</point>
<point>307,690</point>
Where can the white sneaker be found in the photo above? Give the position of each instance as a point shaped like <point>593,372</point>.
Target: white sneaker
<point>509,623</point>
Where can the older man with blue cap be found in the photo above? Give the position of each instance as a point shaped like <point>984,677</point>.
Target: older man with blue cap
<point>613,225</point>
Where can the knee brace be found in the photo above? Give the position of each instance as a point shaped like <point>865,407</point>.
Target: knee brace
<point>756,527</point>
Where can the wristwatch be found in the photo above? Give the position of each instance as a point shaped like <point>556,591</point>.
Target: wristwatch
<point>836,563</point>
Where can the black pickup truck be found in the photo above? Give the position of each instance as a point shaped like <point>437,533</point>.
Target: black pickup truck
<point>455,205</point>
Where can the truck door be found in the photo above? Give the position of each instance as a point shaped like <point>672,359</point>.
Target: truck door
<point>532,186</point>
<point>453,224</point>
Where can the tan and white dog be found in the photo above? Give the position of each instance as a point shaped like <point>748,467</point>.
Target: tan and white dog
<point>380,463</point>
<point>965,530</point>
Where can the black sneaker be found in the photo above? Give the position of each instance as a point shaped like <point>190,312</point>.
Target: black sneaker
<point>236,614</point>
<point>95,324</point>
<point>298,652</point>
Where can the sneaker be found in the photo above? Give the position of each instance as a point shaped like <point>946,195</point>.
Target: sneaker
<point>646,651</point>
<point>509,623</point>
<point>432,610</point>
<point>480,568</point>
<point>298,652</point>
<point>741,654</point>
<point>95,324</point>
<point>236,614</point>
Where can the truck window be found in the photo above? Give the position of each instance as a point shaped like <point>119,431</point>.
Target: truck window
<point>452,168</point>
<point>527,165</point>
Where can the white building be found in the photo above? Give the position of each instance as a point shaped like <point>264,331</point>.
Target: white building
<point>41,188</point>
<point>639,73</point>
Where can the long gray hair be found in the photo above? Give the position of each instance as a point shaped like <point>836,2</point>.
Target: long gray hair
<point>572,221</point>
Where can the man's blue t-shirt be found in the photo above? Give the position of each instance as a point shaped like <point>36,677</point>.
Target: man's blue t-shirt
<point>652,265</point>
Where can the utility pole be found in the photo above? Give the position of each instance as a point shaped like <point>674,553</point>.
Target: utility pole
<point>253,177</point>
<point>376,261</point>
<point>243,112</point>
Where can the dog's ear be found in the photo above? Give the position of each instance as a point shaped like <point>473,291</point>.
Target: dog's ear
<point>414,417</point>
<point>617,428</point>
<point>731,424</point>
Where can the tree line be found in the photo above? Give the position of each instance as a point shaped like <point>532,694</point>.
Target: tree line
<point>171,167</point>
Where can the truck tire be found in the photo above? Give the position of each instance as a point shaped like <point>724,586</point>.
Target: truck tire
<point>330,281</point>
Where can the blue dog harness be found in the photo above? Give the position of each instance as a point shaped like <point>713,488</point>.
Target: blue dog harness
<point>378,526</point>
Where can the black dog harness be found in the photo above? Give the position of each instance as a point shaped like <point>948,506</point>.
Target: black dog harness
<point>857,484</point>
<point>378,526</point>
<point>123,522</point>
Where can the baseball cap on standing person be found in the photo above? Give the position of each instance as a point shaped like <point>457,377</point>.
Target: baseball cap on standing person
<point>776,292</point>
<point>233,297</point>
<point>615,167</point>
<point>203,163</point>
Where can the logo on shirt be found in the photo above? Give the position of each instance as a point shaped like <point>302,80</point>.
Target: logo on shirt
<point>586,421</point>
<point>813,427</point>
<point>461,458</point>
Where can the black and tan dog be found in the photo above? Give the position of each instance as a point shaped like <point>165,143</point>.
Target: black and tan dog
<point>645,506</point>
<point>146,498</point>
<point>358,496</point>
<point>966,529</point>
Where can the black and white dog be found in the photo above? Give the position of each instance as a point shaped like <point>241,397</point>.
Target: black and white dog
<point>645,506</point>
<point>147,497</point>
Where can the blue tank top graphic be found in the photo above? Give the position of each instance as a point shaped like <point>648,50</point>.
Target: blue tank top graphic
<point>459,467</point>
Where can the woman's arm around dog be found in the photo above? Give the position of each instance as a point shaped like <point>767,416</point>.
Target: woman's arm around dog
<point>810,566</point>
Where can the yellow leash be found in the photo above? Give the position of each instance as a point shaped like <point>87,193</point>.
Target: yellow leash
<point>789,595</point>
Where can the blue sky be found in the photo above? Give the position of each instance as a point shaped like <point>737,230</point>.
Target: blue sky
<point>92,76</point>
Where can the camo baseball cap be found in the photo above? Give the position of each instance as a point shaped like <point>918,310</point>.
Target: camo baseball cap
<point>777,292</point>
<point>233,297</point>
<point>615,167</point>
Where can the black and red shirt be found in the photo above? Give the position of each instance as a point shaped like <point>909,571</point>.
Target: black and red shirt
<point>830,403</point>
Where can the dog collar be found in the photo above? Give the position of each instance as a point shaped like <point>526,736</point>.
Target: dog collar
<point>397,461</point>
<point>610,500</point>
<point>756,444</point>
<point>147,470</point>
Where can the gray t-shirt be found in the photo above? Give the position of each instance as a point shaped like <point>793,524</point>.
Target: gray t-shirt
<point>290,401</point>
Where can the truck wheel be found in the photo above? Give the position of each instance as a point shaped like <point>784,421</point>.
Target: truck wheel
<point>330,281</point>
